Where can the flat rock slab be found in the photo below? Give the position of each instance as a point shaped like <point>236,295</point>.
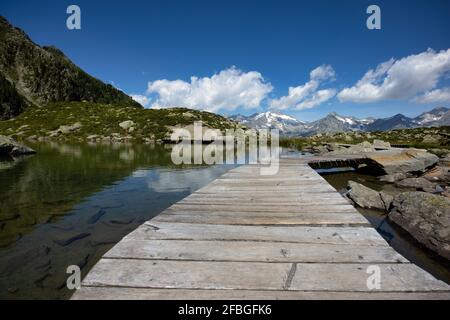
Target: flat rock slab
<point>247,236</point>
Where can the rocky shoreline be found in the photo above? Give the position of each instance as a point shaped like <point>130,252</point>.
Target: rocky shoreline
<point>419,200</point>
<point>12,148</point>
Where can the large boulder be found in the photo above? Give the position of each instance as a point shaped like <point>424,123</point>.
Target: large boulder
<point>69,128</point>
<point>9,146</point>
<point>426,217</point>
<point>367,198</point>
<point>127,125</point>
<point>380,144</point>
<point>403,160</point>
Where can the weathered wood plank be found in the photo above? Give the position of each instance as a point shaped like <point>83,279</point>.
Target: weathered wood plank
<point>353,277</point>
<point>260,209</point>
<point>241,219</point>
<point>261,201</point>
<point>326,235</point>
<point>188,274</point>
<point>256,276</point>
<point>118,293</point>
<point>252,251</point>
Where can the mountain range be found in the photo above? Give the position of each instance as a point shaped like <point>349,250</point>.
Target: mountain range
<point>334,122</point>
<point>35,75</point>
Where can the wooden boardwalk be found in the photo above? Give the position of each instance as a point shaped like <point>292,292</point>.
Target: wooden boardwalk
<point>247,236</point>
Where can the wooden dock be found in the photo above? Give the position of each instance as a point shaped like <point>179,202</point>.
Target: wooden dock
<point>247,236</point>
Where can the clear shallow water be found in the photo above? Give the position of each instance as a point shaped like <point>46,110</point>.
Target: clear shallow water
<point>399,239</point>
<point>69,204</point>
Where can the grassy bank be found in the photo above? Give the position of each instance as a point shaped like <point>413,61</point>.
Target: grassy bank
<point>82,120</point>
<point>425,138</point>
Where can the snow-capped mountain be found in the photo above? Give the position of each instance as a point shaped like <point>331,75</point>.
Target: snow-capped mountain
<point>432,117</point>
<point>270,120</point>
<point>334,122</point>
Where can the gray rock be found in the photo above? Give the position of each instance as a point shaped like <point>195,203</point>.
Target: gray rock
<point>9,146</point>
<point>68,129</point>
<point>420,184</point>
<point>391,178</point>
<point>437,174</point>
<point>126,125</point>
<point>380,144</point>
<point>407,160</point>
<point>365,197</point>
<point>426,217</point>
<point>387,199</point>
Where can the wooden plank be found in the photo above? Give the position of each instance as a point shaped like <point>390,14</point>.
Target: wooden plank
<point>353,277</point>
<point>188,274</point>
<point>240,219</point>
<point>260,209</point>
<point>266,202</point>
<point>295,234</point>
<point>261,201</point>
<point>252,251</point>
<point>256,276</point>
<point>118,293</point>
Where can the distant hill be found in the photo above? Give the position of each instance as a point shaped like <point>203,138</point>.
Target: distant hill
<point>81,121</point>
<point>40,75</point>
<point>333,122</point>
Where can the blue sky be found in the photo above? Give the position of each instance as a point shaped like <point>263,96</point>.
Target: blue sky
<point>247,53</point>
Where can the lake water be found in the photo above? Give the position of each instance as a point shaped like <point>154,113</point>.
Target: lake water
<point>69,204</point>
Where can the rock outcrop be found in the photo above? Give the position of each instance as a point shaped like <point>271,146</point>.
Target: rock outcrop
<point>404,160</point>
<point>9,146</point>
<point>426,217</point>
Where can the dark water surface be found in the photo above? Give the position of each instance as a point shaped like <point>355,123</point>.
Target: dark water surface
<point>69,204</point>
<point>398,238</point>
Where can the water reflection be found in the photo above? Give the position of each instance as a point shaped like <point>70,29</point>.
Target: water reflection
<point>69,204</point>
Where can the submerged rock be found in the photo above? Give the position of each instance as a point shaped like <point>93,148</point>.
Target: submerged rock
<point>426,217</point>
<point>9,146</point>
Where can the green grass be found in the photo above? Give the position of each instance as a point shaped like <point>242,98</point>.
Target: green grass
<point>103,120</point>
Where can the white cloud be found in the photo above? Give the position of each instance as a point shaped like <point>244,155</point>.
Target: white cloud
<point>434,96</point>
<point>226,90</point>
<point>400,79</point>
<point>316,99</point>
<point>322,73</point>
<point>307,96</point>
<point>143,100</point>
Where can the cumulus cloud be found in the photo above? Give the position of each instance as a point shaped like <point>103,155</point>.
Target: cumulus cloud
<point>322,73</point>
<point>226,90</point>
<point>307,96</point>
<point>434,96</point>
<point>401,79</point>
<point>141,99</point>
